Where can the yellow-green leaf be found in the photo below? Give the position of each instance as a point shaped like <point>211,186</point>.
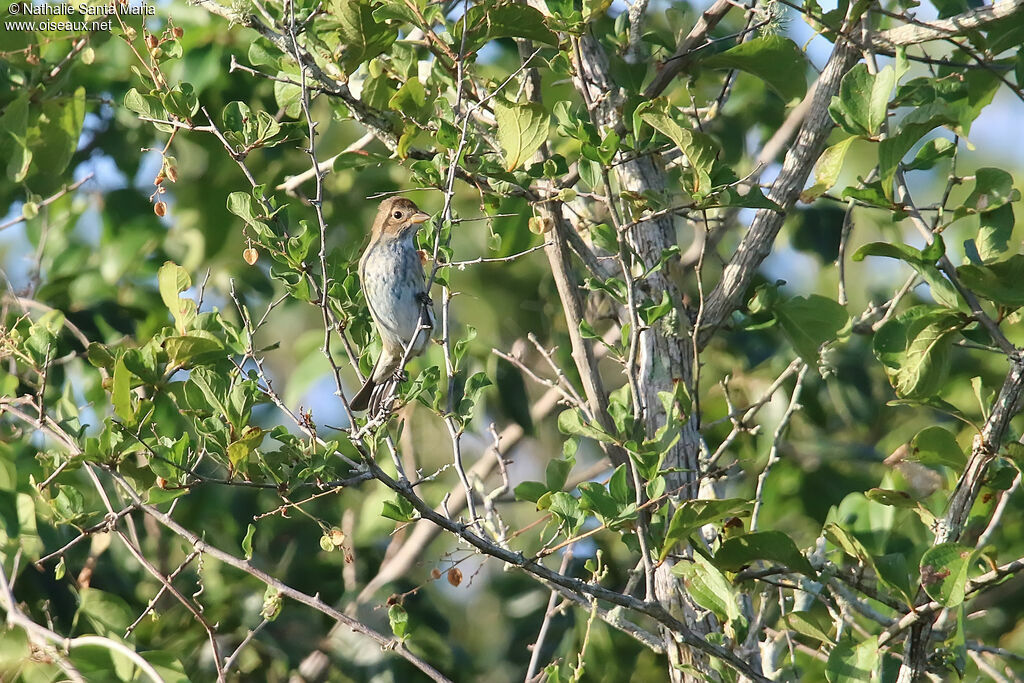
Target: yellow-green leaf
<point>522,129</point>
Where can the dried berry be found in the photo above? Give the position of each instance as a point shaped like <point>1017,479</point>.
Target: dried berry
<point>454,576</point>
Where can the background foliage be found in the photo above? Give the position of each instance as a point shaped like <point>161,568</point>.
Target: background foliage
<point>727,404</point>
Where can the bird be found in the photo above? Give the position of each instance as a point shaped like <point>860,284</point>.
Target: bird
<point>391,274</point>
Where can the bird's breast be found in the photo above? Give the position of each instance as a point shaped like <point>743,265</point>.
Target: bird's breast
<point>392,279</point>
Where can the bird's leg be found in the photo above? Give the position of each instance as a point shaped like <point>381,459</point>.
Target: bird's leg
<point>424,299</point>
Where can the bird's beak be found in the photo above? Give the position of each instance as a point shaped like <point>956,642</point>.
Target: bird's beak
<point>419,217</point>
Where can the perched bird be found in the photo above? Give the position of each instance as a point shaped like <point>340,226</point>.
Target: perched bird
<point>391,274</point>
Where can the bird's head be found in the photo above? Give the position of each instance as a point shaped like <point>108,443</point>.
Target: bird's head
<point>396,217</point>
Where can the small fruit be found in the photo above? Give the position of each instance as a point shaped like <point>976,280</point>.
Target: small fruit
<point>540,226</point>
<point>454,576</point>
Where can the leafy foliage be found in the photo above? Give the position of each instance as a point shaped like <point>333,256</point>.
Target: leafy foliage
<point>668,419</point>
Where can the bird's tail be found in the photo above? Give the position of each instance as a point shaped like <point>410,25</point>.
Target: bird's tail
<point>378,383</point>
<point>372,394</point>
<point>362,399</point>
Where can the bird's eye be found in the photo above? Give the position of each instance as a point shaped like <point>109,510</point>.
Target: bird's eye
<point>397,215</point>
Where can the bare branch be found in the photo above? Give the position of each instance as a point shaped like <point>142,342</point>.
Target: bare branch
<point>921,32</point>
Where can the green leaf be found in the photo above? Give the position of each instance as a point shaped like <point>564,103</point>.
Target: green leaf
<point>826,170</point>
<point>934,250</point>
<point>240,450</point>
<point>245,207</point>
<point>399,620</point>
<point>930,153</point>
<point>247,541</point>
<point>43,334</point>
<point>860,108</point>
<point>396,9</point>
<point>700,150</point>
<point>184,348</point>
<point>993,187</point>
<point>213,391</point>
<point>773,546</point>
<point>890,497</point>
<point>173,279</point>
<point>235,116</point>
<point>410,100</point>
<point>145,105</point>
<point>708,587</point>
<point>476,383</point>
<point>109,614</point>
<point>903,252</point>
<point>557,473</point>
<point>14,123</point>
<point>809,323</point>
<point>487,22</point>
<point>753,199</point>
<point>881,90</point>
<point>56,138</point>
<point>272,604</point>
<point>916,350</point>
<point>182,101</point>
<point>288,96</point>
<point>776,60</point>
<point>68,505</point>
<point>913,127</point>
<point>693,514</point>
<point>401,510</point>
<point>259,55</point>
<point>851,662</point>
<point>618,486</point>
<point>522,129</point>
<point>567,509</point>
<point>871,194</point>
<point>894,571</point>
<point>571,422</point>
<point>595,498</point>
<point>813,624</point>
<point>530,491</point>
<point>937,446</point>
<point>998,282</point>
<point>994,232</point>
<point>360,33</point>
<point>941,288</point>
<point>944,573</point>
<point>121,396</point>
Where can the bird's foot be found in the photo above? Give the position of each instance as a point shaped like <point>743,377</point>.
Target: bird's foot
<point>424,299</point>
